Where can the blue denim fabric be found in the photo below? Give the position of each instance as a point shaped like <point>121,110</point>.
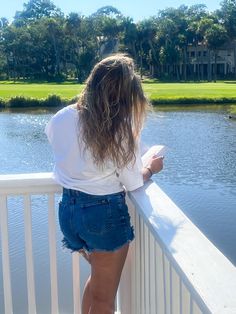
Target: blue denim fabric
<point>94,222</point>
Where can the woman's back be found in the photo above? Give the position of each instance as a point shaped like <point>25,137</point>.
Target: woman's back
<point>74,165</point>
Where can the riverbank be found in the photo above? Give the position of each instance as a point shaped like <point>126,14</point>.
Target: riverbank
<point>50,94</point>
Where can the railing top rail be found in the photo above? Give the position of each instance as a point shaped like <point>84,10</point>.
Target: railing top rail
<point>29,182</point>
<point>204,267</point>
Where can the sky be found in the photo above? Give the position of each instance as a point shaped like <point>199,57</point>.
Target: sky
<point>137,9</point>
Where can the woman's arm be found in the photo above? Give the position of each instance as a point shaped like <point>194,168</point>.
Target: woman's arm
<point>155,165</point>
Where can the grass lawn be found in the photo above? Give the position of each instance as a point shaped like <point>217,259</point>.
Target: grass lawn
<point>176,91</point>
<point>157,92</point>
<point>65,91</point>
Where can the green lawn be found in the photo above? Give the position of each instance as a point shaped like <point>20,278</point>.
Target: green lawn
<point>65,91</point>
<point>157,92</point>
<point>175,91</point>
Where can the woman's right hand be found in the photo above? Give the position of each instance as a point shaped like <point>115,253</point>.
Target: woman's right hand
<point>154,165</point>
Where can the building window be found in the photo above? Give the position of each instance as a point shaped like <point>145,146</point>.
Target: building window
<point>204,53</point>
<point>193,54</point>
<point>199,53</point>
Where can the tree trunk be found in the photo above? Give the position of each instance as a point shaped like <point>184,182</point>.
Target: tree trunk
<point>235,59</point>
<point>57,55</point>
<point>185,64</point>
<point>215,65</point>
<point>141,61</point>
<point>209,66</point>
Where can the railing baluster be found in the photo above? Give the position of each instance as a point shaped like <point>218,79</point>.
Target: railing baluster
<point>5,255</point>
<point>152,275</point>
<point>137,265</point>
<point>133,259</point>
<point>52,253</point>
<point>167,284</point>
<point>142,307</point>
<point>146,253</point>
<point>196,309</point>
<point>185,299</point>
<point>76,282</point>
<point>175,292</point>
<point>160,279</point>
<point>29,255</point>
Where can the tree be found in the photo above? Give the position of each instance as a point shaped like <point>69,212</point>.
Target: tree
<point>129,37</point>
<point>108,11</point>
<point>108,25</point>
<point>17,48</point>
<point>36,9</point>
<point>172,38</point>
<point>3,22</point>
<point>216,36</point>
<point>3,59</point>
<point>227,14</point>
<point>194,34</point>
<point>80,45</point>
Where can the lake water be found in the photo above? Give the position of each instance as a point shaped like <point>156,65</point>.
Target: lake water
<point>199,176</point>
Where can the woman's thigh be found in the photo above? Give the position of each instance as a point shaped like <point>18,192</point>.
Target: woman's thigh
<point>106,268</point>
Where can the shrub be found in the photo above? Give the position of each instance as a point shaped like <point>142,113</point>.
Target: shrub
<point>2,103</point>
<point>57,101</point>
<point>53,101</point>
<point>193,101</point>
<point>21,101</point>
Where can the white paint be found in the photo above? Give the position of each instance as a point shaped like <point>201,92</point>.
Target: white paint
<point>29,255</point>
<point>189,272</point>
<point>76,282</point>
<point>5,255</point>
<point>52,253</point>
<point>33,183</point>
<point>206,272</point>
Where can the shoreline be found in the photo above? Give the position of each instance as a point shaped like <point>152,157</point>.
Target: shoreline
<point>57,101</point>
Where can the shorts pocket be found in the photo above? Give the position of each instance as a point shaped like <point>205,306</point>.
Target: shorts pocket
<point>96,216</point>
<point>64,216</point>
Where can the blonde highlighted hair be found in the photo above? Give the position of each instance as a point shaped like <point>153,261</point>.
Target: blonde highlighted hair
<point>112,110</point>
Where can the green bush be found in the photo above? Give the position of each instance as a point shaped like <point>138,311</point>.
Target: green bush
<point>23,102</point>
<point>2,103</point>
<point>53,101</point>
<point>192,101</point>
<point>57,101</point>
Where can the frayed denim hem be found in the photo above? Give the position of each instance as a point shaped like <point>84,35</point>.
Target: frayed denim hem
<point>66,246</point>
<point>110,250</point>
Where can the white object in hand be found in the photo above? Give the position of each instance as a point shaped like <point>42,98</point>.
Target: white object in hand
<point>156,150</point>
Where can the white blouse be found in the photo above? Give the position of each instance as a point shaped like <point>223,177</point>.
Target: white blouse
<point>74,167</point>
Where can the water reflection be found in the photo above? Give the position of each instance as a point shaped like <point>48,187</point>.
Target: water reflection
<point>202,148</point>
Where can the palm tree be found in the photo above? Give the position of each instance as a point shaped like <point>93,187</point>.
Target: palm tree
<point>215,37</point>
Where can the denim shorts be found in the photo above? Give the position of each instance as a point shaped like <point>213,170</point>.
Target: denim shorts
<point>94,222</point>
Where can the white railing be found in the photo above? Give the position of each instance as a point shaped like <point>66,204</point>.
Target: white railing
<point>171,267</point>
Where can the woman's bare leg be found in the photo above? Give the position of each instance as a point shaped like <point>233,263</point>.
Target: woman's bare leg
<point>86,301</point>
<point>106,268</point>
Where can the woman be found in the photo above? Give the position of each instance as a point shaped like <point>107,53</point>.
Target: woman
<point>97,158</point>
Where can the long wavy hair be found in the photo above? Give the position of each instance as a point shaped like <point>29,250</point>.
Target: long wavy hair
<point>112,109</point>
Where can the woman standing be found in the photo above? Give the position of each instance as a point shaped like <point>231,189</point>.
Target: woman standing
<point>97,158</point>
